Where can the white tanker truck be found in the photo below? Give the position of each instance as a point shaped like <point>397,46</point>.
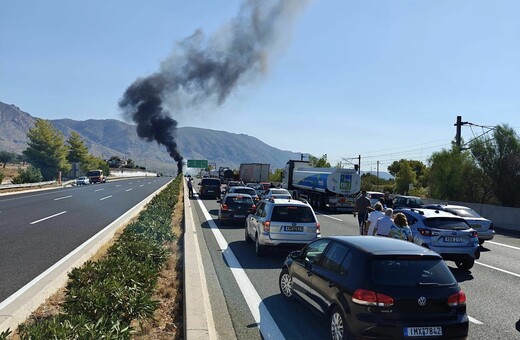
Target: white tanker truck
<point>322,187</point>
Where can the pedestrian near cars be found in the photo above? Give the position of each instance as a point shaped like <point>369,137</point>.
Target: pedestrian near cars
<point>362,208</point>
<point>190,188</point>
<point>372,218</point>
<point>386,201</point>
<point>400,228</point>
<point>384,223</point>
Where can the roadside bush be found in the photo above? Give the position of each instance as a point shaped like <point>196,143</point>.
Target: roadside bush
<point>29,175</point>
<point>1,180</point>
<point>104,297</point>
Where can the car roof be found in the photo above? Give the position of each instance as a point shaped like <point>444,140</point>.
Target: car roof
<point>383,245</point>
<point>427,212</point>
<point>447,206</point>
<point>405,196</point>
<point>235,194</point>
<point>286,201</point>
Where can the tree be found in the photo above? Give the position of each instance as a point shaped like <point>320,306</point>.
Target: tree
<point>30,175</point>
<point>405,178</point>
<point>319,162</point>
<point>78,152</point>
<point>499,159</point>
<point>7,157</point>
<point>46,149</point>
<point>276,176</point>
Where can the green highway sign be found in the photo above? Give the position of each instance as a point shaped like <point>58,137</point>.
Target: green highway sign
<point>197,163</point>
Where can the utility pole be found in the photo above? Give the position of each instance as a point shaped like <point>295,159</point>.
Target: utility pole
<point>458,138</point>
<point>377,175</point>
<point>359,164</point>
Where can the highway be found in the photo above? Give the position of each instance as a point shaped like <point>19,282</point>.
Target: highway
<point>247,286</point>
<point>39,228</point>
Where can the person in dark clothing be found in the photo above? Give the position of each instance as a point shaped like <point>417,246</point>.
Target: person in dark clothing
<point>361,209</point>
<point>190,188</point>
<point>386,201</point>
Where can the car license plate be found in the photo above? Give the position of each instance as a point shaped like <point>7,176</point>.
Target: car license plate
<point>476,226</point>
<point>293,228</point>
<point>423,331</point>
<point>453,239</point>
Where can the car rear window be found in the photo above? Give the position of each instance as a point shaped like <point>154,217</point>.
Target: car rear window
<point>292,214</point>
<point>212,181</point>
<point>463,212</point>
<point>245,191</point>
<point>239,199</point>
<point>446,223</point>
<point>404,272</point>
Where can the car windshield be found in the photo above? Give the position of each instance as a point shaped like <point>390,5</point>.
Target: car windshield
<point>464,212</point>
<point>404,272</point>
<point>280,192</point>
<point>284,213</point>
<point>446,223</point>
<point>239,200</point>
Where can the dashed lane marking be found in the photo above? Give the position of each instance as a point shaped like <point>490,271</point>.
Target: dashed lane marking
<point>503,245</point>
<point>48,217</point>
<point>62,198</point>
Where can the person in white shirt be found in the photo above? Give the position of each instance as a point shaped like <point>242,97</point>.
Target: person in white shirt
<point>384,223</point>
<point>373,217</point>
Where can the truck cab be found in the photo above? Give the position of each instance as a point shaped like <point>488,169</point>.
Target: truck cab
<point>96,176</point>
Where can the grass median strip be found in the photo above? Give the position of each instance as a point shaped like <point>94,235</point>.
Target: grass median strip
<point>134,291</point>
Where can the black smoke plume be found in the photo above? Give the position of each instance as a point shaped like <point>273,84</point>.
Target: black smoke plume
<point>203,71</point>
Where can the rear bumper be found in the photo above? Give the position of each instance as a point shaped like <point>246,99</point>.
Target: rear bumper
<point>486,235</point>
<point>266,240</point>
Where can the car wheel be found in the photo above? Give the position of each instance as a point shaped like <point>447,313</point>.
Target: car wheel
<point>285,283</point>
<point>259,249</point>
<point>465,264</point>
<point>480,242</point>
<point>338,325</point>
<point>246,236</point>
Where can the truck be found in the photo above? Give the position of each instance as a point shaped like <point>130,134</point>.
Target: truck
<point>323,188</point>
<point>96,176</point>
<point>254,172</point>
<point>225,174</point>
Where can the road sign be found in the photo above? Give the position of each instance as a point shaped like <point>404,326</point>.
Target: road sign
<point>197,163</point>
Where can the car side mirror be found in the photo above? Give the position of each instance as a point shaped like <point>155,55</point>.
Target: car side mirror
<point>295,254</point>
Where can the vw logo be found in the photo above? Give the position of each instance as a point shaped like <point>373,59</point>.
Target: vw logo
<point>294,224</point>
<point>422,301</point>
<point>454,233</point>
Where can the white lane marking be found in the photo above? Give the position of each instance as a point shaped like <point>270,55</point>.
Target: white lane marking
<point>500,270</point>
<point>117,186</point>
<point>130,183</point>
<point>334,218</point>
<point>104,198</point>
<point>46,218</point>
<point>129,189</point>
<point>149,182</point>
<point>503,245</point>
<point>62,198</point>
<point>142,185</point>
<point>475,320</point>
<point>98,190</point>
<point>261,314</point>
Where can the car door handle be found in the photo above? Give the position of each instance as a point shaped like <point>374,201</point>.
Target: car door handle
<point>331,284</point>
<point>309,273</point>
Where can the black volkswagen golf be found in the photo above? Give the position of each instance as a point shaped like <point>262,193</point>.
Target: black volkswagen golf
<point>377,288</point>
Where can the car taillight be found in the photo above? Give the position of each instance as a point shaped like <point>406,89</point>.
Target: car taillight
<point>491,227</point>
<point>267,226</point>
<point>318,228</point>
<point>370,298</point>
<point>474,233</point>
<point>225,207</point>
<point>427,232</point>
<point>457,299</point>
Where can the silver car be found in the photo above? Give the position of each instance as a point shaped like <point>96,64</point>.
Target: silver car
<point>83,180</point>
<point>281,222</point>
<point>448,235</point>
<point>483,226</point>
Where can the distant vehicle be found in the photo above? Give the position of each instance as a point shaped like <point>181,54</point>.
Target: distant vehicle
<point>483,226</point>
<point>96,176</point>
<point>254,172</point>
<point>376,288</point>
<point>259,188</point>
<point>401,201</point>
<point>209,187</point>
<point>235,207</point>
<point>83,180</point>
<point>276,193</point>
<point>244,190</point>
<point>374,196</point>
<point>225,174</point>
<point>447,234</point>
<point>281,222</point>
<point>322,187</point>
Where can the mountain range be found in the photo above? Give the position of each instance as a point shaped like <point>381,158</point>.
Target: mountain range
<point>111,137</point>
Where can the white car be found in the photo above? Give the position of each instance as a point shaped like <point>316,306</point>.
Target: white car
<point>276,193</point>
<point>83,180</point>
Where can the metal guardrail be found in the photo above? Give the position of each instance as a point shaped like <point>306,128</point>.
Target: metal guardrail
<point>25,185</point>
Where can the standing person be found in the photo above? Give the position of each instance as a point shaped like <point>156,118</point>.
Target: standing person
<point>386,201</point>
<point>372,218</point>
<point>384,223</point>
<point>190,188</point>
<point>400,228</point>
<point>361,208</point>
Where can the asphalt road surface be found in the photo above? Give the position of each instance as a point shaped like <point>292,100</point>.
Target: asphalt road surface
<point>39,228</point>
<point>249,285</point>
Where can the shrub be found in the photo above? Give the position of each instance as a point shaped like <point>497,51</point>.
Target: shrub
<point>1,179</point>
<point>30,175</point>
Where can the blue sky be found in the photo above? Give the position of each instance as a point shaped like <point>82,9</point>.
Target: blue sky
<point>384,79</point>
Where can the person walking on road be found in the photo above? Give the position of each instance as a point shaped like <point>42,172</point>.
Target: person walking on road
<point>361,208</point>
<point>400,228</point>
<point>190,188</point>
<point>386,201</point>
<point>372,218</point>
<point>382,227</point>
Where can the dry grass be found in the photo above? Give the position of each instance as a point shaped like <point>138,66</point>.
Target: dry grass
<point>168,318</point>
<point>10,171</point>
